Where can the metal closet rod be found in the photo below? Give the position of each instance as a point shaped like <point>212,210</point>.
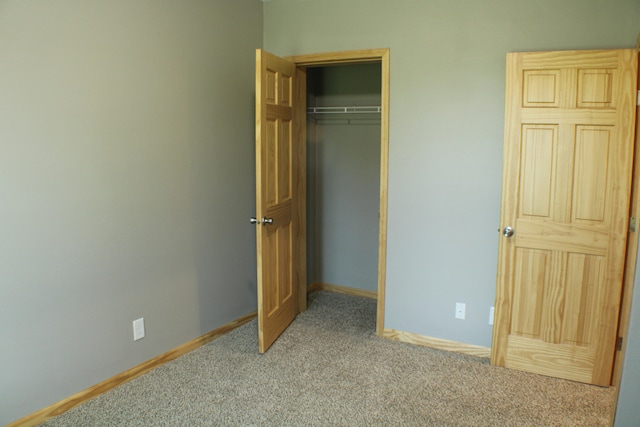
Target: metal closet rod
<point>345,110</point>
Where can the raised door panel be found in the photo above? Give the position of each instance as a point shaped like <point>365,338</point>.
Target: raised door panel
<point>531,278</point>
<point>541,88</point>
<point>591,168</point>
<point>539,145</point>
<point>595,88</point>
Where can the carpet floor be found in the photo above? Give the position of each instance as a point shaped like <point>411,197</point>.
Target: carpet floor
<point>330,369</point>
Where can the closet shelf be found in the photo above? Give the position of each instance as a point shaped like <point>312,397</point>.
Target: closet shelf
<point>345,110</point>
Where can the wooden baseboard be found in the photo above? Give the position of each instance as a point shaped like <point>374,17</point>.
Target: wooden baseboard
<point>470,349</point>
<point>123,377</point>
<point>318,286</point>
<point>440,344</point>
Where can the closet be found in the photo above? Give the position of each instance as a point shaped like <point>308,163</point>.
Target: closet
<point>343,175</point>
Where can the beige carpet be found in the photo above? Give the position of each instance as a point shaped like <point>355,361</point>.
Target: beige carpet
<point>329,369</point>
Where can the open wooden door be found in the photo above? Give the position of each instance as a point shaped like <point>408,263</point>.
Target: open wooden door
<point>280,215</point>
<point>569,144</point>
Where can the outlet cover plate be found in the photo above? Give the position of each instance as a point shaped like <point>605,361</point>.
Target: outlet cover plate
<point>138,329</point>
<point>461,308</point>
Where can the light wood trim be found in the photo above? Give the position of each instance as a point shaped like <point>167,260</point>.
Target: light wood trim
<point>319,286</point>
<point>610,322</point>
<point>384,192</point>
<point>374,56</point>
<point>630,267</point>
<point>72,401</point>
<point>333,58</point>
<point>260,118</point>
<point>504,271</point>
<point>440,344</point>
<point>300,138</point>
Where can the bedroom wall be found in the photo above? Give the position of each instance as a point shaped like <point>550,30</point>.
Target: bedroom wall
<point>122,125</point>
<point>446,129</point>
<point>343,186</point>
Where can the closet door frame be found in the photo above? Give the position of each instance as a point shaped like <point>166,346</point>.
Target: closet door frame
<point>380,56</point>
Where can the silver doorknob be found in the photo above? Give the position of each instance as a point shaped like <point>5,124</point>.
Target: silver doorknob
<point>253,220</point>
<point>508,231</point>
<point>266,220</point>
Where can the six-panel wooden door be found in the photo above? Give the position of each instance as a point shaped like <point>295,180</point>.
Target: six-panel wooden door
<point>568,156</point>
<point>276,205</point>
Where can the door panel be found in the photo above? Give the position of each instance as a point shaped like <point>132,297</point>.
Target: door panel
<point>539,144</point>
<point>569,147</point>
<point>276,180</point>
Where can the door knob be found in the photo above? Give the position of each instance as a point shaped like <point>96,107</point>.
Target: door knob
<point>508,231</point>
<point>266,220</point>
<point>254,221</point>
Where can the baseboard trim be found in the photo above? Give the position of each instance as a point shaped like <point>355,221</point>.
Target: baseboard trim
<point>440,344</point>
<point>123,377</point>
<point>319,286</point>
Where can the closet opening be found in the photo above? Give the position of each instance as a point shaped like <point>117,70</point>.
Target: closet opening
<point>345,128</point>
<point>343,177</point>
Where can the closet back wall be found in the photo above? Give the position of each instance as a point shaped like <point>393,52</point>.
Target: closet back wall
<point>343,167</point>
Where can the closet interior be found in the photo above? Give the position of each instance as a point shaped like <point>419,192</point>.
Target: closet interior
<point>343,175</point>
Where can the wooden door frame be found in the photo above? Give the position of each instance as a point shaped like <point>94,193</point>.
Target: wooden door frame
<point>632,253</point>
<point>630,262</point>
<point>336,58</point>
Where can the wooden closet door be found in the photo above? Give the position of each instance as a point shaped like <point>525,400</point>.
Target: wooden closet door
<point>279,236</point>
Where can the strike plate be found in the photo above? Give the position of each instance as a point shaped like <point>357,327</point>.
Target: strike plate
<point>633,223</point>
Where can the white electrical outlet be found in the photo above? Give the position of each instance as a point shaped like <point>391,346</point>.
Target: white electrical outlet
<point>491,316</point>
<point>138,329</point>
<point>461,308</point>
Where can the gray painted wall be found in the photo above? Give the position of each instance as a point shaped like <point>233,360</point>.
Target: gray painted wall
<point>446,129</point>
<point>126,183</point>
<point>343,178</point>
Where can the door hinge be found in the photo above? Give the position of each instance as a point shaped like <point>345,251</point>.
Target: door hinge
<point>638,97</point>
<point>619,344</point>
<point>633,223</point>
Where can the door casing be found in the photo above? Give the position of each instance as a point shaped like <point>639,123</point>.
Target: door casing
<point>630,263</point>
<point>335,58</point>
